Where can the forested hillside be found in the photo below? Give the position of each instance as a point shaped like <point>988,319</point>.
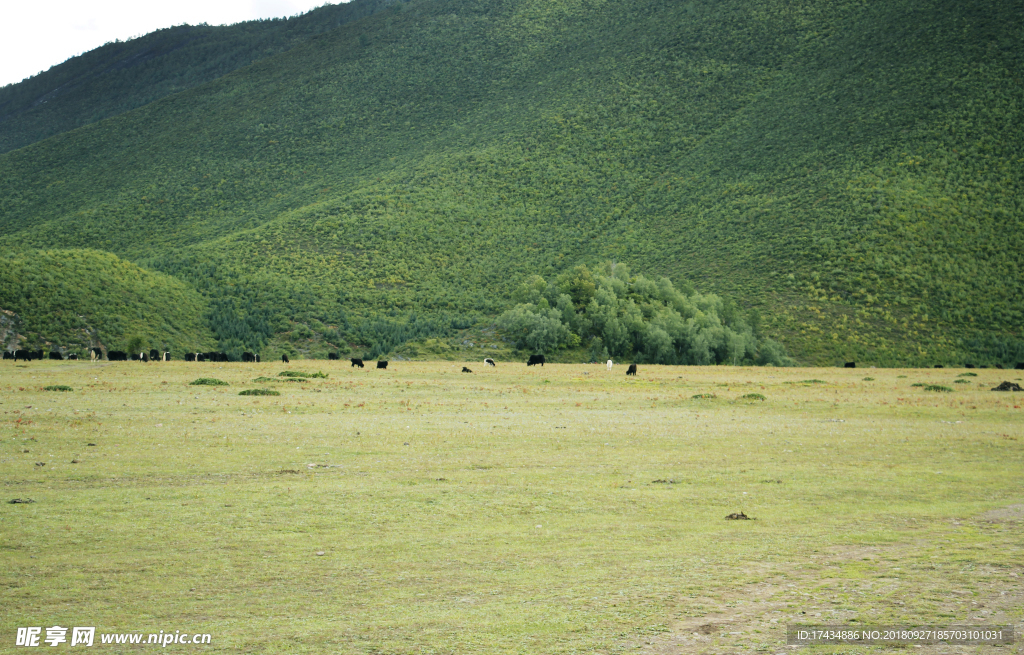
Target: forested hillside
<point>848,172</point>
<point>123,75</point>
<point>72,301</point>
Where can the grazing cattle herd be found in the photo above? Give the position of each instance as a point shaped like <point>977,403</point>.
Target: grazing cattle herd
<point>154,355</point>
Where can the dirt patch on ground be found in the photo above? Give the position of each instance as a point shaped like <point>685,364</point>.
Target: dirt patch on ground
<point>900,586</point>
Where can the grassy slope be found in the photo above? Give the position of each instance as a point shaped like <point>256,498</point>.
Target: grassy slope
<point>514,510</point>
<point>852,171</point>
<point>124,75</point>
<point>73,300</point>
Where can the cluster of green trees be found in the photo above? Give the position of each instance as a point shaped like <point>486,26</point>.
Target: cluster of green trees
<point>635,318</point>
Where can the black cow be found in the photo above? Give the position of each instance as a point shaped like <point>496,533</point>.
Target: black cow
<point>489,361</point>
<point>850,365</point>
<point>134,357</point>
<point>117,356</point>
<point>356,362</point>
<point>466,370</point>
<point>8,354</point>
<point>382,364</point>
<point>999,366</point>
<point>167,356</point>
<point>332,356</point>
<point>968,365</point>
<point>938,366</point>
<point>24,355</point>
<point>202,357</point>
<point>1019,366</point>
<point>154,355</point>
<point>284,358</point>
<point>73,356</point>
<point>144,356</point>
<point>56,355</point>
<point>95,354</point>
<point>38,354</point>
<point>631,370</point>
<point>248,357</point>
<point>536,359</point>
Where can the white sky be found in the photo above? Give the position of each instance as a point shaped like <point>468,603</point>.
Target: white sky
<point>35,35</point>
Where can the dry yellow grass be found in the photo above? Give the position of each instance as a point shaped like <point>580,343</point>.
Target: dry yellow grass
<point>510,510</point>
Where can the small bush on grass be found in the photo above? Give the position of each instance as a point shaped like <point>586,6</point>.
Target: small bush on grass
<point>869,379</point>
<point>58,387</point>
<point>753,396</point>
<point>705,396</point>
<point>259,392</point>
<point>937,387</point>
<point>967,375</point>
<point>961,381</point>
<point>264,378</point>
<point>210,382</point>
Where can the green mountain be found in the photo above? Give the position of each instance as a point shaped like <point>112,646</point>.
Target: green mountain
<point>123,75</point>
<point>849,173</point>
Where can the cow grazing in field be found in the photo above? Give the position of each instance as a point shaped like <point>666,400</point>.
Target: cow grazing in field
<point>382,364</point>
<point>284,358</point>
<point>190,357</point>
<point>999,366</point>
<point>8,354</point>
<point>248,357</point>
<point>850,365</point>
<point>23,355</point>
<point>1019,366</point>
<point>38,354</point>
<point>356,362</point>
<point>536,359</point>
<point>968,365</point>
<point>609,364</point>
<point>134,357</point>
<point>95,354</point>
<point>72,356</point>
<point>117,356</point>
<point>466,370</point>
<point>332,356</point>
<point>938,366</point>
<point>56,355</point>
<point>166,356</point>
<point>144,356</point>
<point>631,370</point>
<point>154,355</point>
<point>489,361</point>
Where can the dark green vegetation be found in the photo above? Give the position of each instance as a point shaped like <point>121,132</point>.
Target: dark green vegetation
<point>209,382</point>
<point>124,75</point>
<point>57,387</point>
<point>848,173</point>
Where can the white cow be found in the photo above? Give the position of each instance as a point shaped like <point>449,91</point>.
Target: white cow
<point>609,364</point>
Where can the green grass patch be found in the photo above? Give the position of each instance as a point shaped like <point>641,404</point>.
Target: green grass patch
<point>57,387</point>
<point>753,396</point>
<point>208,382</point>
<point>704,396</point>
<point>937,387</point>
<point>300,374</point>
<point>259,392</point>
<point>869,379</point>
<point>968,375</point>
